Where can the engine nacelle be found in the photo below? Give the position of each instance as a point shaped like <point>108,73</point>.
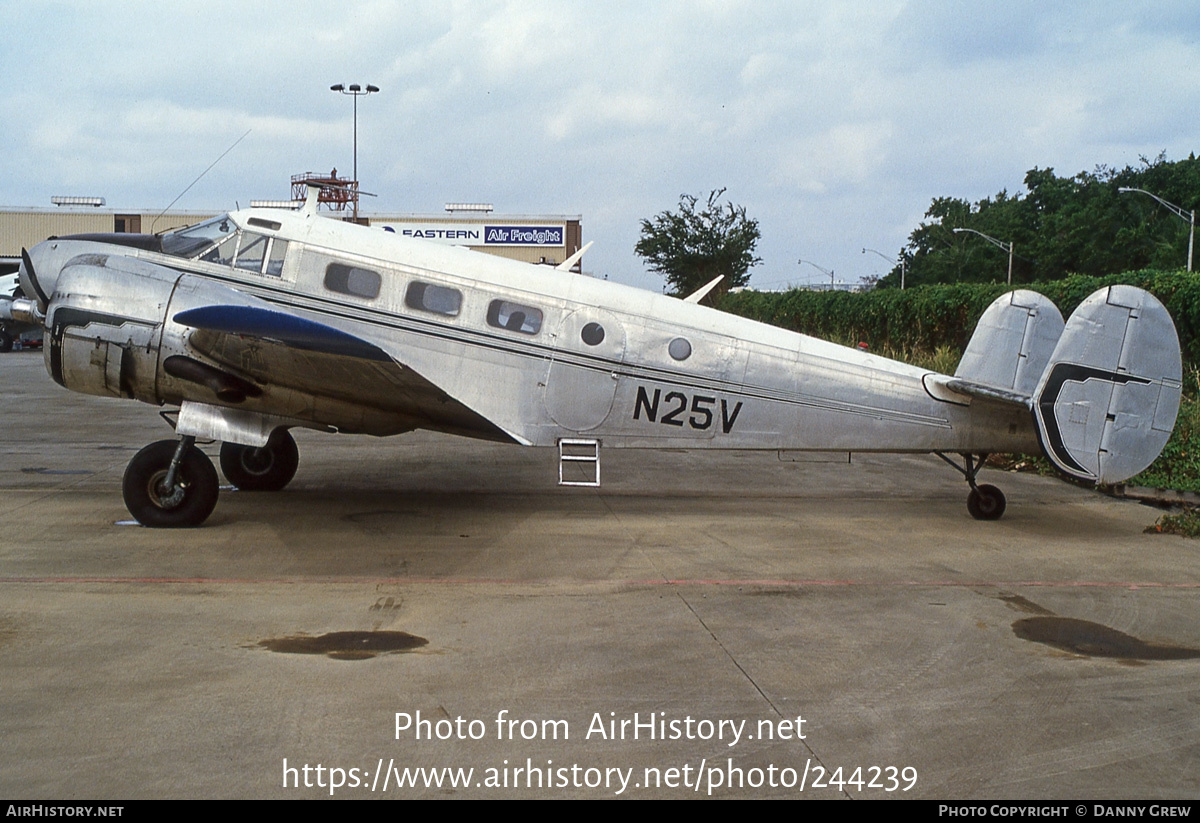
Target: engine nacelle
<point>105,324</point>
<point>110,333</point>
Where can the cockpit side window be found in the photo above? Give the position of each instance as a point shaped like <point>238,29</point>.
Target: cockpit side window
<point>275,258</point>
<point>193,240</point>
<point>253,249</point>
<point>222,253</point>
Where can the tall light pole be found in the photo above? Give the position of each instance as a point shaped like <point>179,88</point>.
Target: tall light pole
<point>1008,247</point>
<point>1189,216</point>
<point>356,91</point>
<point>899,260</point>
<point>819,268</point>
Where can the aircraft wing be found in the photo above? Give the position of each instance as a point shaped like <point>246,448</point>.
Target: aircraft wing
<point>274,348</point>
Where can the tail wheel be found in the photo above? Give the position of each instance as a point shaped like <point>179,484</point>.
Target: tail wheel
<point>986,502</point>
<point>265,469</point>
<point>186,502</point>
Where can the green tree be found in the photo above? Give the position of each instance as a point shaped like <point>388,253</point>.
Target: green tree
<point>1059,226</point>
<point>691,246</point>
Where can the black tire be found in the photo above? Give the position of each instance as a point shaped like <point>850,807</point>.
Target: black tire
<point>266,469</point>
<point>986,503</point>
<point>195,490</point>
<point>6,342</point>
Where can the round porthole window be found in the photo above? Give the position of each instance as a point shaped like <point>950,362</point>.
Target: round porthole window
<point>592,334</point>
<point>679,349</point>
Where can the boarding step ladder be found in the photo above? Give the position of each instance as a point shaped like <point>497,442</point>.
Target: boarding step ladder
<point>578,450</point>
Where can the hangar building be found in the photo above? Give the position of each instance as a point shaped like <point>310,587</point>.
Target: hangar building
<point>532,238</point>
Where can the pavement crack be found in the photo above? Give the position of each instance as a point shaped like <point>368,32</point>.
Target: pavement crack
<point>749,679</point>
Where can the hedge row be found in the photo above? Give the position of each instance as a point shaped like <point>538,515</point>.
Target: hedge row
<point>928,317</point>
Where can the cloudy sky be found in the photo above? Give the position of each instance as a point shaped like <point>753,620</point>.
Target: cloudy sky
<point>834,123</point>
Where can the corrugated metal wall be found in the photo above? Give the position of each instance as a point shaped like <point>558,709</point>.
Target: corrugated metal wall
<point>25,228</point>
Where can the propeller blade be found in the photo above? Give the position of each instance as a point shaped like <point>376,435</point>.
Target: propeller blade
<point>43,298</point>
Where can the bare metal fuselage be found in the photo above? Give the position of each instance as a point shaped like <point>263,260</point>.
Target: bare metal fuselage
<point>659,373</point>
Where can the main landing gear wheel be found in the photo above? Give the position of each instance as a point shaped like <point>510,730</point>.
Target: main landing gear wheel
<point>986,502</point>
<point>170,485</point>
<point>6,342</point>
<point>266,469</point>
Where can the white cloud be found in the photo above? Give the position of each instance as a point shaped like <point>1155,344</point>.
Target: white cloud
<point>834,123</point>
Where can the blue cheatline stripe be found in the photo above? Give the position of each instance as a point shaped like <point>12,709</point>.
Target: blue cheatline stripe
<point>307,335</point>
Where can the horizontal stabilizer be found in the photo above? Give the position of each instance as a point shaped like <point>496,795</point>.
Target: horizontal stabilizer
<point>1012,344</point>
<point>977,390</point>
<point>297,332</point>
<point>1107,400</point>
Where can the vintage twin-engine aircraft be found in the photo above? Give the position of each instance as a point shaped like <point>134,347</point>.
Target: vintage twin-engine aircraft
<point>265,319</point>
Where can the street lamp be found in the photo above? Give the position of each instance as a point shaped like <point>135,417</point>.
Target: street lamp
<point>900,260</point>
<point>819,268</point>
<point>1189,216</point>
<point>1008,247</point>
<point>356,91</point>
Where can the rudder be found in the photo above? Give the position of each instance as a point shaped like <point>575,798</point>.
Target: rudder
<point>1107,401</point>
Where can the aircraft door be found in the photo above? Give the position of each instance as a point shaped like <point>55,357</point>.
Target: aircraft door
<point>589,349</point>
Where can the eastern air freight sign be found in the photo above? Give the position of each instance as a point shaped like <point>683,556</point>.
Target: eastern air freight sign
<point>477,234</point>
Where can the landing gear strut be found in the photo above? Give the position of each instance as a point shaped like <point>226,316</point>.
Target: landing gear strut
<point>985,502</point>
<point>170,485</point>
<point>265,469</point>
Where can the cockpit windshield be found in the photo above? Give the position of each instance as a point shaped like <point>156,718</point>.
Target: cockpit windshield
<point>190,241</point>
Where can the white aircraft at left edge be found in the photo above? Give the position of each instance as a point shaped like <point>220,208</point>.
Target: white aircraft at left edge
<point>265,319</point>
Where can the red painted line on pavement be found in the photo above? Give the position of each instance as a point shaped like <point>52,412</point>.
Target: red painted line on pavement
<point>1106,584</point>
